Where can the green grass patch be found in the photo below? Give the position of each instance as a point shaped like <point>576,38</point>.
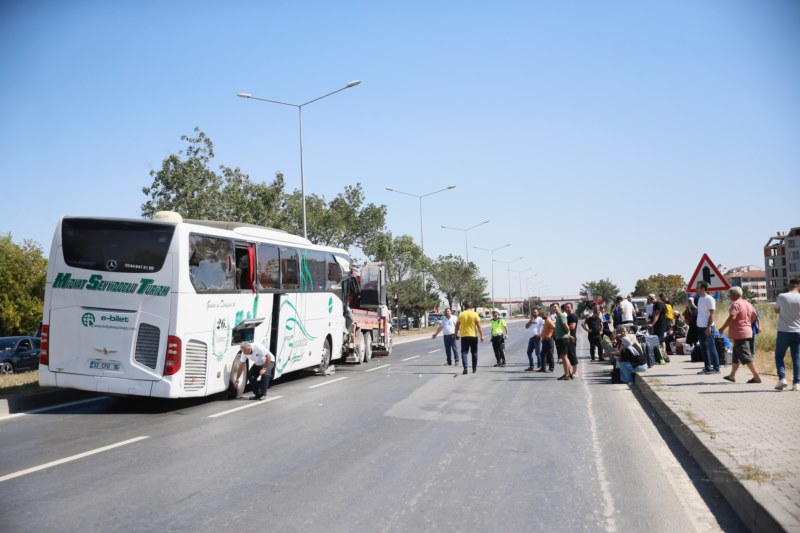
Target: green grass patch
<point>18,384</point>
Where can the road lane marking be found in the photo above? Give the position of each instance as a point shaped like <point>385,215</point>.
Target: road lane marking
<point>434,351</point>
<point>246,406</point>
<point>377,368</point>
<point>410,358</point>
<point>68,459</point>
<point>327,383</point>
<point>608,510</point>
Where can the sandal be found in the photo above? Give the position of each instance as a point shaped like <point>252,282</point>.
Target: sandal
<point>563,378</point>
<point>753,380</point>
<point>732,380</point>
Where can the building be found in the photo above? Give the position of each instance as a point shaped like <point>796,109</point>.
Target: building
<point>781,261</point>
<point>750,277</point>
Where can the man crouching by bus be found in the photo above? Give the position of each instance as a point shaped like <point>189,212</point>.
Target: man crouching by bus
<point>260,371</point>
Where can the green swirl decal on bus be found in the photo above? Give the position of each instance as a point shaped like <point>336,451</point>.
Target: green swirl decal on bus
<point>291,339</point>
<point>330,305</point>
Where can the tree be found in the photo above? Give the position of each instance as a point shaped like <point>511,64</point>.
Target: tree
<point>343,222</point>
<point>458,280</point>
<point>672,285</point>
<point>22,277</point>
<point>602,289</point>
<point>186,185</point>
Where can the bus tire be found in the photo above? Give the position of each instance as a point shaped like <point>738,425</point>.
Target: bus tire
<point>234,391</point>
<point>325,362</point>
<point>367,346</point>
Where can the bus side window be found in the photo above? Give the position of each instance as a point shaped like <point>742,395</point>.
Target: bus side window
<point>209,263</point>
<point>334,274</point>
<point>244,270</point>
<point>269,264</point>
<point>290,269</point>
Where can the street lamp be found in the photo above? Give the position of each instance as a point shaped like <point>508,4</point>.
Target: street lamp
<point>421,237</point>
<point>465,230</point>
<point>521,296</point>
<point>493,250</point>
<point>508,266</point>
<point>300,118</point>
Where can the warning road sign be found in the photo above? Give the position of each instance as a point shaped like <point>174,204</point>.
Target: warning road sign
<point>708,272</point>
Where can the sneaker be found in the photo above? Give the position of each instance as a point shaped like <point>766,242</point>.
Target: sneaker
<point>496,365</point>
<point>261,398</point>
<point>714,372</point>
<point>704,371</point>
<point>465,371</point>
<point>796,386</point>
<point>781,385</point>
<point>529,369</point>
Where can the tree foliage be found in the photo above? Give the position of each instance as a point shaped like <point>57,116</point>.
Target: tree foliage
<point>458,280</point>
<point>603,289</point>
<point>22,275</point>
<point>185,183</point>
<point>673,285</point>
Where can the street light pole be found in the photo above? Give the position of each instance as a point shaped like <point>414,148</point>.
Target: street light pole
<point>521,296</point>
<point>465,230</point>
<point>300,118</point>
<point>492,250</point>
<point>421,235</point>
<point>508,266</point>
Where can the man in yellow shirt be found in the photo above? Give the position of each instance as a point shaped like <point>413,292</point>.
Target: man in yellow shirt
<point>469,328</point>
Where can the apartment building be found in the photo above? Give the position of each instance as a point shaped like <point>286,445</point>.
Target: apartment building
<point>751,277</point>
<point>781,261</point>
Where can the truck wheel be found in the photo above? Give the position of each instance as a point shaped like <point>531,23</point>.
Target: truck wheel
<point>233,390</point>
<point>326,356</point>
<point>358,348</point>
<point>367,346</point>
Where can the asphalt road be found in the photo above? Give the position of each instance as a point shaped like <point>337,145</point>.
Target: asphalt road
<point>400,444</point>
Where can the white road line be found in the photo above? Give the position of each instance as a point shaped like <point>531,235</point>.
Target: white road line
<point>377,368</point>
<point>327,383</point>
<point>53,407</point>
<point>434,351</point>
<point>246,406</point>
<point>410,358</point>
<point>68,459</point>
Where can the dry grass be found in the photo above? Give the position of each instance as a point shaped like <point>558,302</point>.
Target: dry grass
<point>15,384</point>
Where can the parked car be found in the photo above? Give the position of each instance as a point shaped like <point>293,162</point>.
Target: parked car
<point>433,319</point>
<point>18,354</point>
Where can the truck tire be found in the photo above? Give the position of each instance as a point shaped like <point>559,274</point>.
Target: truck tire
<point>367,346</point>
<point>358,347</point>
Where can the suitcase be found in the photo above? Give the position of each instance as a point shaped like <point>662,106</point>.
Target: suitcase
<point>697,355</point>
<point>725,355</point>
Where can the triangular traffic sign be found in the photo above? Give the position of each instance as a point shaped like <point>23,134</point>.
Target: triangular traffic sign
<point>708,272</point>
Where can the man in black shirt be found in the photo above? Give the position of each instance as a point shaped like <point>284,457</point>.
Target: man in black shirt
<point>658,320</point>
<point>572,323</point>
<point>593,325</point>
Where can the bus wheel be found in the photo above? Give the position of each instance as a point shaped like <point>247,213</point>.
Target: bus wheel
<point>358,347</point>
<point>367,347</point>
<point>326,356</point>
<point>233,390</point>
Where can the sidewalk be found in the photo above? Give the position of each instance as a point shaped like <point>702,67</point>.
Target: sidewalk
<point>745,437</point>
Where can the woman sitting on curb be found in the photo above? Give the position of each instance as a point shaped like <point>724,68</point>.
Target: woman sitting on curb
<point>629,355</point>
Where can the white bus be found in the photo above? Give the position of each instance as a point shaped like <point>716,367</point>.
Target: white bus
<point>158,308</point>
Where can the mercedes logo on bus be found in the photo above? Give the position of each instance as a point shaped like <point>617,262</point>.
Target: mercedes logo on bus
<point>111,264</point>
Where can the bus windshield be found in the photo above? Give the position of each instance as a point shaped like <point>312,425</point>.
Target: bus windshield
<point>118,246</point>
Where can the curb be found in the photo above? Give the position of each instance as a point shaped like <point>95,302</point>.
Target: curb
<point>42,398</point>
<point>754,513</point>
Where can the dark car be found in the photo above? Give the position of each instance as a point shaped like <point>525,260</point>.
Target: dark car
<point>18,353</point>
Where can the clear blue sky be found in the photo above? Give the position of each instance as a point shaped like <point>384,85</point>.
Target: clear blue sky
<point>602,139</point>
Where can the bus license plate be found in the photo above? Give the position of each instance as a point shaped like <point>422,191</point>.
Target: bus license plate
<point>99,364</point>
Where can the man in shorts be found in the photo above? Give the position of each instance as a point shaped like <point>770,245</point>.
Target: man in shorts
<point>740,320</point>
<point>563,345</point>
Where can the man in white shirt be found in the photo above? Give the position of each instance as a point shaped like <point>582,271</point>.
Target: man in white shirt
<point>627,311</point>
<point>534,326</point>
<point>787,306</point>
<point>260,371</point>
<point>448,325</point>
<point>706,306</point>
